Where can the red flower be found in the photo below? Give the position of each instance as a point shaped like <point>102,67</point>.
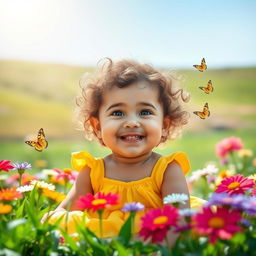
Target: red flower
<point>237,184</point>
<point>9,194</point>
<point>5,165</point>
<point>228,145</point>
<point>157,222</point>
<point>99,201</point>
<point>221,223</point>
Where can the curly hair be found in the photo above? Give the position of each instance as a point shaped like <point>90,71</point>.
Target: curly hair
<point>122,73</point>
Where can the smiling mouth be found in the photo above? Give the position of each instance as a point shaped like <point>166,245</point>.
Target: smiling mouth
<point>132,138</point>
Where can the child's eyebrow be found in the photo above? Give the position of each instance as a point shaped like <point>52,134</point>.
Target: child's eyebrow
<point>122,104</point>
<point>147,104</point>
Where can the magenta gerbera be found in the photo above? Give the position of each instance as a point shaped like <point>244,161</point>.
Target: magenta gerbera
<point>99,201</point>
<point>157,222</point>
<point>222,223</point>
<point>237,184</point>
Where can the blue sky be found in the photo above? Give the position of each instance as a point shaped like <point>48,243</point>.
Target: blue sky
<point>164,33</point>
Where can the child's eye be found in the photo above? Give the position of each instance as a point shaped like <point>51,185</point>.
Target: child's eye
<point>117,113</point>
<point>145,112</point>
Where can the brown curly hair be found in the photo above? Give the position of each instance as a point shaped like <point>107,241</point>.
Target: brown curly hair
<point>121,74</point>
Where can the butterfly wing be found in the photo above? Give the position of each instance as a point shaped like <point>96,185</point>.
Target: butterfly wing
<point>203,114</point>
<point>209,86</point>
<point>39,144</point>
<point>201,67</point>
<point>42,143</point>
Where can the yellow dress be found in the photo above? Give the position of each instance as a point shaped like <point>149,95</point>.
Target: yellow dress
<point>146,191</point>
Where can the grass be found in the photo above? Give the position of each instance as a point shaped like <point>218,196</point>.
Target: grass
<point>35,95</point>
<point>200,148</point>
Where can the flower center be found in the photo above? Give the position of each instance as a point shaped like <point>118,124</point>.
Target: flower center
<point>67,171</point>
<point>160,220</point>
<point>99,201</point>
<point>233,185</point>
<point>216,222</point>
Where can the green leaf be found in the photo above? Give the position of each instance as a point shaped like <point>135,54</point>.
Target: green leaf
<point>13,224</point>
<point>120,248</point>
<point>125,233</point>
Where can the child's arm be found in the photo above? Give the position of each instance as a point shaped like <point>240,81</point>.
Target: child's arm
<point>81,187</point>
<point>174,181</point>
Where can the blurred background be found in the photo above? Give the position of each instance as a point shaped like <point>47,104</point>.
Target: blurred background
<point>47,45</point>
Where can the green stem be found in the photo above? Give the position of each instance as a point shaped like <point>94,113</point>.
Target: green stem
<point>234,161</point>
<point>100,212</point>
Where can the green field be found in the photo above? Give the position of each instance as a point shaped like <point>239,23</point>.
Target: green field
<point>35,95</point>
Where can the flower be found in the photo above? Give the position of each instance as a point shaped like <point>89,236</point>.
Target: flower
<point>66,174</point>
<point>5,208</point>
<point>187,212</point>
<point>13,179</point>
<point>223,174</point>
<point>244,153</point>
<point>237,184</point>
<point>22,166</point>
<point>175,198</point>
<point>26,188</point>
<point>253,192</point>
<point>228,145</point>
<point>221,223</point>
<point>208,170</point>
<point>54,195</point>
<point>5,165</point>
<point>133,207</point>
<point>42,184</point>
<point>9,194</point>
<point>157,222</point>
<point>99,201</point>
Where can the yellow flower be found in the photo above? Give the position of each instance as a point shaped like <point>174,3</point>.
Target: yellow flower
<point>54,195</point>
<point>245,153</point>
<point>224,174</point>
<point>5,208</point>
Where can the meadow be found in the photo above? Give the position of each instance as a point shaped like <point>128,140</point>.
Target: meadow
<point>35,95</point>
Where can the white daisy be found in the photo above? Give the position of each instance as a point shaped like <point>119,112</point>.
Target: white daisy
<point>208,170</point>
<point>42,184</point>
<point>26,188</point>
<point>175,198</point>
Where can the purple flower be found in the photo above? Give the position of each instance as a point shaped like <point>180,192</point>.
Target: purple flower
<point>22,166</point>
<point>249,206</point>
<point>221,199</point>
<point>133,207</point>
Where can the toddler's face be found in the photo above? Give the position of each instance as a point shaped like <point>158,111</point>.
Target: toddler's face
<point>131,120</point>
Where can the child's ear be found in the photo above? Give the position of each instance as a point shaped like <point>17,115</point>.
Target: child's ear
<point>95,123</point>
<point>166,124</point>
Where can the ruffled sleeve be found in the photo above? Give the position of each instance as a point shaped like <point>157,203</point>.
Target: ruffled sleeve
<point>160,167</point>
<point>82,159</point>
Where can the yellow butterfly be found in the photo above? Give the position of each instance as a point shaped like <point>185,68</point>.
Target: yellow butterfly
<point>39,144</point>
<point>209,87</point>
<point>205,113</point>
<point>201,67</point>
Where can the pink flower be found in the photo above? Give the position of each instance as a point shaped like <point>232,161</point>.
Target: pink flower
<point>157,222</point>
<point>221,223</point>
<point>228,145</point>
<point>237,184</point>
<point>66,174</point>
<point>100,201</point>
<point>5,165</point>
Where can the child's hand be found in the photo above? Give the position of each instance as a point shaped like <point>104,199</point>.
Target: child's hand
<point>51,213</point>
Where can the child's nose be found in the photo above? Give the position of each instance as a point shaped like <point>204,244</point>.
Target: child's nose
<point>131,123</point>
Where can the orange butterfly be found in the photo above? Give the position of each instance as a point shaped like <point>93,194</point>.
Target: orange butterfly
<point>205,113</point>
<point>39,144</point>
<point>209,87</point>
<point>201,67</point>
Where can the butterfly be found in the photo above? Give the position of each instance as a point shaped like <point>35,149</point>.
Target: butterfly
<point>201,67</point>
<point>39,144</point>
<point>209,87</point>
<point>205,113</point>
